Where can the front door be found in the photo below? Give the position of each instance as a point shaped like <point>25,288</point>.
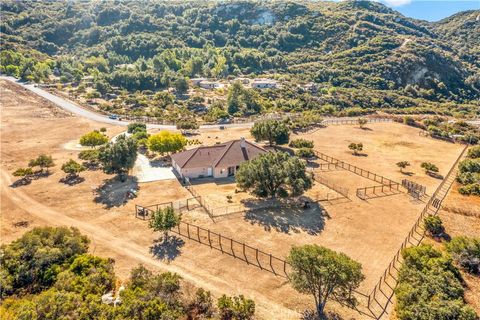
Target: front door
<point>231,171</point>
<point>209,172</point>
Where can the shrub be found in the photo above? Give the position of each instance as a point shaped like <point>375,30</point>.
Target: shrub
<point>429,167</point>
<point>301,143</point>
<point>466,251</point>
<point>474,153</point>
<point>469,165</point>
<point>305,153</point>
<point>430,287</point>
<point>433,225</point>
<point>93,139</point>
<point>236,308</point>
<point>470,189</point>
<point>136,127</point>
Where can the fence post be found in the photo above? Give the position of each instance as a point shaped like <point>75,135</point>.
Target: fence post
<point>244,255</point>
<point>209,240</point>
<point>256,257</point>
<point>198,234</point>
<point>271,265</point>
<point>188,230</point>
<point>231,247</point>
<point>220,242</point>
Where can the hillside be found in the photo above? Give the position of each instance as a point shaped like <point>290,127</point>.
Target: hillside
<point>354,46</point>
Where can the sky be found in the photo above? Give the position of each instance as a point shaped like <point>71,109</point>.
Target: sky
<point>431,10</point>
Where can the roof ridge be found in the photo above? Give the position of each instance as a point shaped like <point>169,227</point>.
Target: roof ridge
<point>256,146</point>
<point>191,156</point>
<point>230,144</point>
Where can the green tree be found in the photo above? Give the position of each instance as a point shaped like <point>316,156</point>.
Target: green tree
<point>166,142</point>
<point>93,139</point>
<point>274,131</point>
<point>181,85</point>
<point>402,165</point>
<point>466,251</point>
<point>301,143</point>
<point>187,124</point>
<point>72,168</point>
<point>136,127</point>
<point>274,174</point>
<point>430,287</point>
<point>119,157</point>
<point>237,307</point>
<point>433,225</point>
<point>25,174</point>
<point>34,260</point>
<point>165,219</point>
<point>429,167</point>
<point>355,147</point>
<point>362,122</point>
<point>43,161</point>
<point>325,274</point>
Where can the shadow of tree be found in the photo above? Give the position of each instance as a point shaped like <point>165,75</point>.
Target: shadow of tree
<point>290,219</point>
<point>167,249</point>
<point>72,180</point>
<point>114,193</point>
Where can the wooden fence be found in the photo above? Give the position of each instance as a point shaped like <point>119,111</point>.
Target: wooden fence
<point>354,121</point>
<point>358,171</point>
<point>382,293</point>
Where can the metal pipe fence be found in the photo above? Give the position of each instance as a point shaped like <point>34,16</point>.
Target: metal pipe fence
<point>377,191</point>
<point>238,250</point>
<point>357,170</point>
<point>328,183</point>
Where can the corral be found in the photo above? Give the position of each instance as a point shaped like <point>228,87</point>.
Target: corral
<point>370,231</point>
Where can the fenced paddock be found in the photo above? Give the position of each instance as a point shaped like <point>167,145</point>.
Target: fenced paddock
<point>146,212</point>
<point>236,249</point>
<point>330,184</point>
<point>382,293</point>
<point>415,189</point>
<point>378,191</point>
<point>357,170</point>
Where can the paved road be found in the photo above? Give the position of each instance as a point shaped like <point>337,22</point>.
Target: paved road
<point>89,114</point>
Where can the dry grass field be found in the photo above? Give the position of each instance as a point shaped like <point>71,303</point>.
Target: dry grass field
<point>369,231</point>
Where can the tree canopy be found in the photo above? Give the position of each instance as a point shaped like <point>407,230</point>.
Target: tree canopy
<point>119,156</point>
<point>274,174</point>
<point>325,274</point>
<point>166,142</point>
<point>274,131</point>
<point>93,139</point>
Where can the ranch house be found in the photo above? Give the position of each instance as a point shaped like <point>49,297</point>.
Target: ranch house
<point>218,161</point>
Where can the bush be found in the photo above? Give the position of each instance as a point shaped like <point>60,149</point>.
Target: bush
<point>429,167</point>
<point>433,225</point>
<point>236,308</point>
<point>466,251</point>
<point>301,143</point>
<point>470,189</point>
<point>305,153</point>
<point>430,287</point>
<point>474,153</point>
<point>469,165</point>
<point>136,127</point>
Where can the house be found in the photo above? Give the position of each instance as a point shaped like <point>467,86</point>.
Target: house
<point>264,84</point>
<point>210,84</point>
<point>218,161</point>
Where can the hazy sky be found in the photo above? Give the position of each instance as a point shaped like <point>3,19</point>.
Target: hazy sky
<point>431,10</point>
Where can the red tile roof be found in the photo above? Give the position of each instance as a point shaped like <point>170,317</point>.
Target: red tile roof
<point>222,155</point>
